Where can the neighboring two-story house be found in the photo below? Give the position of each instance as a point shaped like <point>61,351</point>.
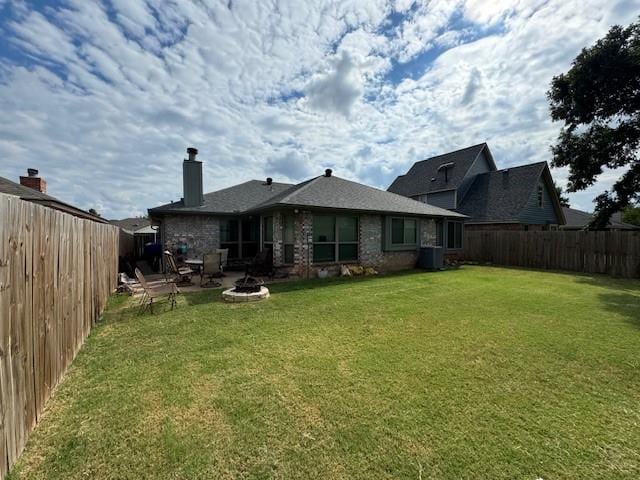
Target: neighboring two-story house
<point>467,181</point>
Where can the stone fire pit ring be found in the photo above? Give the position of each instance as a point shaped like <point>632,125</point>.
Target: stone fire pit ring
<point>230,295</point>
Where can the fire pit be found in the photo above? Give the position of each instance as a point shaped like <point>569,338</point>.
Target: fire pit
<point>248,284</point>
<point>247,289</point>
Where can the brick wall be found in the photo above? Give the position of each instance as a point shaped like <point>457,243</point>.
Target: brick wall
<point>371,253</point>
<point>201,233</point>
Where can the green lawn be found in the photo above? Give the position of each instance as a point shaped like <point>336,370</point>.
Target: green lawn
<point>473,373</point>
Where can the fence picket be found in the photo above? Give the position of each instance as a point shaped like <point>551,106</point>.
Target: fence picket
<point>615,253</point>
<point>52,289</point>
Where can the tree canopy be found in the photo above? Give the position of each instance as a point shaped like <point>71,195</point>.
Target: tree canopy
<point>564,200</point>
<point>598,100</point>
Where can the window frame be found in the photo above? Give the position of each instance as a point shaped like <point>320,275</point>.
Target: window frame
<point>337,242</point>
<point>288,243</point>
<point>388,229</point>
<point>446,239</point>
<point>540,196</point>
<point>231,243</point>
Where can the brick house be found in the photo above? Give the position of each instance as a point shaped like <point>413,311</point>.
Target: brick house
<point>322,222</point>
<point>467,181</point>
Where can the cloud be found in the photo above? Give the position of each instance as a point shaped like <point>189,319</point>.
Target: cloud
<point>473,84</point>
<point>338,90</point>
<point>104,97</point>
<point>293,166</point>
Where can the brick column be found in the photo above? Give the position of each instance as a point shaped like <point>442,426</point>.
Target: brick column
<point>302,251</point>
<point>278,247</point>
<point>370,245</point>
<point>427,232</point>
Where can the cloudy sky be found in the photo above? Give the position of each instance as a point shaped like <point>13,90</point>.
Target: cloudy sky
<point>103,97</point>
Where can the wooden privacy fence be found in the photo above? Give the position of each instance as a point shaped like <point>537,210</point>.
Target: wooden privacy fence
<point>615,253</point>
<point>56,274</point>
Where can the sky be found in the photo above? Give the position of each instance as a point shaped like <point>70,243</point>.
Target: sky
<point>104,97</point>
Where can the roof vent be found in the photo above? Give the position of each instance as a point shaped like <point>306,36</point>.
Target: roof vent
<point>505,171</point>
<point>328,172</point>
<point>269,180</point>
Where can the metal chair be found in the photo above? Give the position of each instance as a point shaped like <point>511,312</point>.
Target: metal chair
<point>211,268</point>
<point>182,275</point>
<point>156,291</point>
<point>224,256</point>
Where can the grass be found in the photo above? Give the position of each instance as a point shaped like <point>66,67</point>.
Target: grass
<point>475,373</point>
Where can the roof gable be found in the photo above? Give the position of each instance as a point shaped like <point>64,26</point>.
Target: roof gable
<point>501,196</point>
<point>428,175</point>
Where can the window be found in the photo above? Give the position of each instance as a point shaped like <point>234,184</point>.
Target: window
<point>229,236</point>
<point>267,230</point>
<point>335,238</point>
<point>439,233</point>
<point>540,196</point>
<point>288,237</point>
<point>250,237</point>
<point>404,231</point>
<point>454,235</point>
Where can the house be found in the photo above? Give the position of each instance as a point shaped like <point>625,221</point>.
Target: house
<point>33,188</point>
<point>467,181</point>
<point>322,222</point>
<point>135,233</point>
<point>579,220</point>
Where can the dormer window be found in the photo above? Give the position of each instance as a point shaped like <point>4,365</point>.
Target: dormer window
<point>445,167</point>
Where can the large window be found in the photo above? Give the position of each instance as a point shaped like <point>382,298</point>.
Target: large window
<point>403,231</point>
<point>335,239</point>
<point>267,233</point>
<point>229,236</point>
<point>288,238</point>
<point>440,233</point>
<point>250,237</point>
<point>454,235</point>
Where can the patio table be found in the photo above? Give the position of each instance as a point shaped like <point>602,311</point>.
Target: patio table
<point>195,263</point>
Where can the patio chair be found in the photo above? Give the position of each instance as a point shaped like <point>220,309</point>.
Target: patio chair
<point>211,268</point>
<point>152,292</point>
<point>182,275</point>
<point>224,256</point>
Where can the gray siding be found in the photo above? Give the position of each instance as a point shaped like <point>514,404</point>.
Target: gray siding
<point>446,199</point>
<point>480,165</point>
<point>536,215</point>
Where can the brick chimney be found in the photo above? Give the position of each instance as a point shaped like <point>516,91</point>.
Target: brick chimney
<point>32,180</point>
<point>192,180</point>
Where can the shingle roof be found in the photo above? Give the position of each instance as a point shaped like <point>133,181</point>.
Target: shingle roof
<point>131,224</point>
<point>418,181</point>
<point>578,219</point>
<point>501,195</point>
<point>236,199</point>
<point>338,193</point>
<point>29,194</point>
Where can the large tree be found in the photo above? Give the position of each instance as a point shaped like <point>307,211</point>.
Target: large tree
<point>598,100</point>
<point>564,200</point>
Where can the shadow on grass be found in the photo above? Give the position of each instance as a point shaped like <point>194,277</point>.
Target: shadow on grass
<point>123,308</point>
<point>622,296</point>
<point>625,304</point>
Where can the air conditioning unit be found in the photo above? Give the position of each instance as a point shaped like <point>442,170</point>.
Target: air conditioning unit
<point>431,258</point>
